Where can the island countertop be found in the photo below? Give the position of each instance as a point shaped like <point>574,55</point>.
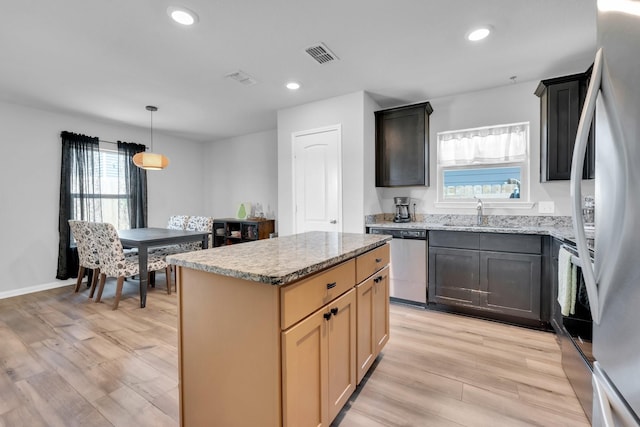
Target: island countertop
<point>281,260</point>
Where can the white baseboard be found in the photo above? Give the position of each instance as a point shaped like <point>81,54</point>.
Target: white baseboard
<point>37,288</point>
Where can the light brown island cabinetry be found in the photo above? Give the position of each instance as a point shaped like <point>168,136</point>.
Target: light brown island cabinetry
<point>262,354</point>
<point>373,307</point>
<point>319,364</point>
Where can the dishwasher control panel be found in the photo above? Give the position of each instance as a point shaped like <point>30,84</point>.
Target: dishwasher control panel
<point>400,233</point>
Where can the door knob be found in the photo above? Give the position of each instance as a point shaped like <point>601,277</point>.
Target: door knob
<point>333,221</point>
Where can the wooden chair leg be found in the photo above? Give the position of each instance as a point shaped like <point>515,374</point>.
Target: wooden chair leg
<point>103,278</point>
<point>80,276</point>
<point>94,282</point>
<point>167,272</point>
<point>118,292</point>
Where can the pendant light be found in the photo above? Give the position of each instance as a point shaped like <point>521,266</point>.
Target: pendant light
<point>151,160</point>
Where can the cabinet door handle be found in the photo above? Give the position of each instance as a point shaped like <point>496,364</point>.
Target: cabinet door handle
<point>331,285</point>
<point>378,259</point>
<point>376,279</point>
<point>334,310</point>
<point>327,316</point>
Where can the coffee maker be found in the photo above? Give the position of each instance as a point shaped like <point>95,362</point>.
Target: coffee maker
<point>402,209</point>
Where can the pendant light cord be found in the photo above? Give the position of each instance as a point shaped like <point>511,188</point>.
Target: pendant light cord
<point>151,109</point>
<point>151,130</point>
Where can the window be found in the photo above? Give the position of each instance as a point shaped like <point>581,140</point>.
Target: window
<point>97,184</point>
<point>103,193</point>
<point>487,163</point>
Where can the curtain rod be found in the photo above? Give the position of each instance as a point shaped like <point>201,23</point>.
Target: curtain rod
<point>115,143</point>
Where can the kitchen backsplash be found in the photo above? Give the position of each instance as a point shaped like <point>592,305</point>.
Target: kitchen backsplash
<point>491,220</point>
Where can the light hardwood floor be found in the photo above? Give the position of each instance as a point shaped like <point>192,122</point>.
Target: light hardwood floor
<point>442,369</point>
<point>66,361</point>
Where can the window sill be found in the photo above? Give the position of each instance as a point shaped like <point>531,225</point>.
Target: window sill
<point>486,203</point>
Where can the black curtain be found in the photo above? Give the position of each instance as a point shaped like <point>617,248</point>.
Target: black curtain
<point>135,183</point>
<point>78,187</point>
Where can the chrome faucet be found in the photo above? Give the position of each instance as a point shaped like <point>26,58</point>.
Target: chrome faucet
<point>479,207</point>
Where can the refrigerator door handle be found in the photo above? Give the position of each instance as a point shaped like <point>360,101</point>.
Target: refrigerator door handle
<point>607,401</point>
<point>579,151</point>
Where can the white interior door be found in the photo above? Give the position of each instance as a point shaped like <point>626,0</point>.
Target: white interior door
<point>317,180</point>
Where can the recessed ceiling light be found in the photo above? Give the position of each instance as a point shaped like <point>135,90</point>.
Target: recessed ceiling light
<point>625,6</point>
<point>478,34</point>
<point>293,85</point>
<point>182,15</point>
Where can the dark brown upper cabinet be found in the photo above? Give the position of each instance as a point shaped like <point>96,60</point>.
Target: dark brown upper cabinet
<point>402,146</point>
<point>561,101</point>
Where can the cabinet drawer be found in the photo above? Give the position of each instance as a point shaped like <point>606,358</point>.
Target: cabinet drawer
<point>370,262</point>
<point>454,239</point>
<point>516,243</point>
<point>300,299</point>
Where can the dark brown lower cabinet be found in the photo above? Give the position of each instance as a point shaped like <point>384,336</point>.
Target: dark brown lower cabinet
<point>487,274</point>
<point>512,283</point>
<point>454,276</point>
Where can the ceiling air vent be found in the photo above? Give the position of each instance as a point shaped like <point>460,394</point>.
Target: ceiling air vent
<point>242,77</point>
<point>321,53</point>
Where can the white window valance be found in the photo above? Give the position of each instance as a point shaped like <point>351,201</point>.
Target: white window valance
<point>486,145</point>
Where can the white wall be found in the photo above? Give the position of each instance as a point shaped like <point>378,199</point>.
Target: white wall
<point>372,203</point>
<point>502,105</point>
<point>348,111</point>
<point>242,169</point>
<point>31,152</point>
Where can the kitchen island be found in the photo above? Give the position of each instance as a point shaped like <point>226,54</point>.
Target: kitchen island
<point>278,332</point>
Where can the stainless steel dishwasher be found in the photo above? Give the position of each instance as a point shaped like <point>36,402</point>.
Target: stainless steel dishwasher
<point>408,267</point>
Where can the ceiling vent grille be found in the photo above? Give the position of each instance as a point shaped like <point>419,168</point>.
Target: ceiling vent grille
<point>242,78</point>
<point>321,53</point>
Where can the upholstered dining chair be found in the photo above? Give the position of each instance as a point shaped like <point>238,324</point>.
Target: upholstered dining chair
<point>114,263</point>
<point>198,223</point>
<point>87,253</point>
<point>178,222</point>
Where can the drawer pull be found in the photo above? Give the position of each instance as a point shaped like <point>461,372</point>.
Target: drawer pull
<point>327,315</point>
<point>334,310</point>
<point>378,259</point>
<point>331,285</point>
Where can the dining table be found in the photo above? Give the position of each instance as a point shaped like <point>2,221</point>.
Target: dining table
<point>144,238</point>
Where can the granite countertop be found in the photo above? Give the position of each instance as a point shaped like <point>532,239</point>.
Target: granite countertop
<point>559,232</point>
<point>281,260</point>
<point>513,229</point>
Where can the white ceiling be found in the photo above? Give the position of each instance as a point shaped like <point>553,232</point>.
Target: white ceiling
<point>108,59</point>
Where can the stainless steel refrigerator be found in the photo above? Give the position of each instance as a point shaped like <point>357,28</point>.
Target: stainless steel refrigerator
<point>613,283</point>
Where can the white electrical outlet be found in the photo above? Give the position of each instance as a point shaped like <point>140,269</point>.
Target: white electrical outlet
<point>546,207</point>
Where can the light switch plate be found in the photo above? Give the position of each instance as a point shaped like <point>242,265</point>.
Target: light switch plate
<point>546,207</point>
